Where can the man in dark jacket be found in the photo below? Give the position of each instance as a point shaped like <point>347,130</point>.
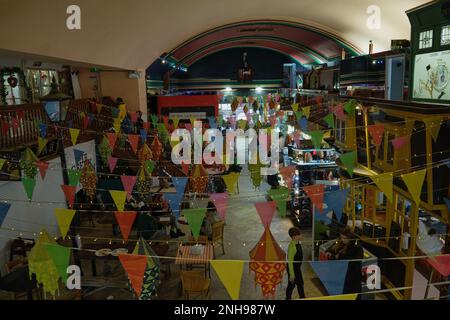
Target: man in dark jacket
<point>294,265</point>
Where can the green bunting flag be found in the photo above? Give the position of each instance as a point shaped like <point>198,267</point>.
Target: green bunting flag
<point>162,132</point>
<point>194,218</point>
<point>350,107</point>
<point>41,144</point>
<point>280,196</point>
<point>61,258</point>
<point>316,137</point>
<point>154,118</point>
<point>219,121</point>
<point>298,115</point>
<point>349,161</point>
<point>2,162</point>
<point>149,166</point>
<point>329,119</point>
<point>29,184</point>
<point>74,177</point>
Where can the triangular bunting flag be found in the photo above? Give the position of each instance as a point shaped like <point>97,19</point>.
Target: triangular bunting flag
<point>230,273</point>
<point>74,176</point>
<point>69,192</point>
<point>434,125</point>
<point>99,108</point>
<point>266,211</point>
<point>332,274</point>
<point>29,184</point>
<point>134,117</point>
<point>280,196</point>
<point>112,162</point>
<point>306,111</point>
<point>133,139</point>
<point>149,166</point>
<point>376,131</point>
<point>85,122</point>
<point>303,123</point>
<point>350,107</point>
<point>146,126</point>
<point>175,121</point>
<point>143,134</point>
<point>414,182</point>
<point>41,144</point>
<point>179,183</point>
<point>339,112</point>
<point>119,198</point>
<point>128,183</point>
<point>220,202</point>
<point>43,130</point>
<point>2,162</point>
<point>295,107</point>
<point>316,137</point>
<point>185,168</point>
<point>135,266</point>
<point>194,218</point>
<point>74,135</point>
<point>399,142</point>
<point>64,218</point>
<point>329,119</point>
<point>335,200</point>
<point>384,183</point>
<point>287,174</point>
<point>231,181</point>
<point>315,193</point>
<point>112,138</point>
<point>4,208</point>
<point>174,200</point>
<point>125,219</point>
<point>349,161</point>
<point>61,258</point>
<point>43,166</point>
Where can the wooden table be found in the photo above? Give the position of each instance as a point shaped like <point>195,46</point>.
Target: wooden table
<point>185,258</point>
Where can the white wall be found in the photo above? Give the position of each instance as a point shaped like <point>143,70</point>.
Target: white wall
<point>38,214</point>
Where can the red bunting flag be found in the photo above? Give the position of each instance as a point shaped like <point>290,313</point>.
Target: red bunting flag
<point>376,131</point>
<point>125,219</point>
<point>266,211</point>
<point>43,166</point>
<point>185,168</point>
<point>69,192</point>
<point>287,174</point>
<point>128,184</point>
<point>399,142</point>
<point>135,266</point>
<point>112,162</point>
<point>133,139</point>
<point>112,138</point>
<point>315,193</point>
<point>134,117</point>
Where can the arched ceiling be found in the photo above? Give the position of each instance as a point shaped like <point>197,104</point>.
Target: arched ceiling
<point>132,34</point>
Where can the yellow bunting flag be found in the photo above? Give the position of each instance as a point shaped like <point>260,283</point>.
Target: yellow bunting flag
<point>352,296</point>
<point>231,181</point>
<point>306,111</point>
<point>74,135</point>
<point>64,218</point>
<point>434,125</point>
<point>2,162</point>
<point>414,182</point>
<point>295,107</point>
<point>99,108</point>
<point>230,273</point>
<point>41,144</point>
<point>117,123</point>
<point>175,121</point>
<point>384,183</point>
<point>119,198</point>
<point>122,111</point>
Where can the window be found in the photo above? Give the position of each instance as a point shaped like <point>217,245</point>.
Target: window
<point>445,35</point>
<point>14,94</point>
<point>40,82</point>
<point>426,39</point>
<point>340,130</point>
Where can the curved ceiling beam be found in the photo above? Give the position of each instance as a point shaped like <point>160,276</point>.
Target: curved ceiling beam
<point>297,47</point>
<point>323,42</point>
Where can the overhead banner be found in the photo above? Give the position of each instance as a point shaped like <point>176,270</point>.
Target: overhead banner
<point>384,183</point>
<point>194,218</point>
<point>125,220</point>
<point>119,198</point>
<point>64,218</point>
<point>414,183</point>
<point>230,273</point>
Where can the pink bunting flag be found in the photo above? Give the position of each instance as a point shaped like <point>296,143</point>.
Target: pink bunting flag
<point>266,211</point>
<point>287,174</point>
<point>112,162</point>
<point>339,112</point>
<point>43,166</point>
<point>399,142</point>
<point>220,201</point>
<point>128,184</point>
<point>133,139</point>
<point>112,138</point>
<point>376,131</point>
<point>134,117</point>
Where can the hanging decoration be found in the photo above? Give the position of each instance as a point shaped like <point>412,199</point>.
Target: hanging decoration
<point>105,150</point>
<point>231,181</point>
<point>134,266</point>
<point>384,183</point>
<point>74,135</point>
<point>112,138</point>
<point>144,154</point>
<point>112,162</point>
<point>349,161</point>
<point>119,198</point>
<point>399,142</point>
<point>280,196</point>
<point>88,180</point>
<point>199,179</point>
<point>414,182</point>
<point>157,149</point>
<point>133,139</point>
<point>287,174</point>
<point>64,218</point>
<point>74,176</point>
<point>220,202</point>
<point>315,193</point>
<point>125,221</point>
<point>317,137</point>
<point>29,185</point>
<point>230,273</point>
<point>266,211</point>
<point>268,273</point>
<point>128,183</point>
<point>376,131</point>
<point>152,269</point>
<point>194,218</point>
<point>336,201</point>
<point>43,167</point>
<point>69,192</point>
<point>332,273</point>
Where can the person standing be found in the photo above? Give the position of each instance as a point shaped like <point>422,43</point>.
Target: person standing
<point>294,265</point>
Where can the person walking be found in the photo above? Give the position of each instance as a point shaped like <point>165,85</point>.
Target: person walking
<point>294,265</point>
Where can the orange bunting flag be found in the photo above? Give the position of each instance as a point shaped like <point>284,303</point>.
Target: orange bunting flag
<point>135,266</point>
<point>125,219</point>
<point>376,131</point>
<point>112,138</point>
<point>287,174</point>
<point>43,166</point>
<point>315,193</point>
<point>134,140</point>
<point>69,192</point>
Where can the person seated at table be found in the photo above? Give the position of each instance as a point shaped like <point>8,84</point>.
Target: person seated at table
<point>210,218</point>
<point>147,227</point>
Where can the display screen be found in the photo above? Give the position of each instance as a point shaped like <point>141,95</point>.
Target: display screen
<point>431,76</point>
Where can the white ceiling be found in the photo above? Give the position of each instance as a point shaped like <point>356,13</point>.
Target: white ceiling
<point>132,34</point>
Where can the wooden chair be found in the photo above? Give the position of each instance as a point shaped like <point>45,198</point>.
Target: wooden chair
<point>201,240</point>
<point>217,236</point>
<point>195,283</point>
